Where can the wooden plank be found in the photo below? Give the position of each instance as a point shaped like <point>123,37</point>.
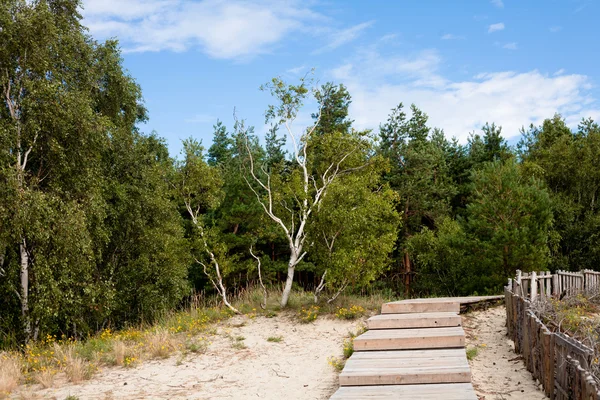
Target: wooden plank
<point>454,391</point>
<point>415,320</point>
<point>412,306</point>
<point>401,339</point>
<point>411,354</point>
<point>405,371</point>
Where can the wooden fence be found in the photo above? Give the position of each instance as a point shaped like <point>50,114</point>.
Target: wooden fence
<point>560,363</point>
<point>561,283</point>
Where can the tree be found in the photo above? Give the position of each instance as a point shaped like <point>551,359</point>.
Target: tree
<point>290,202</point>
<point>566,161</point>
<point>355,230</point>
<point>90,236</point>
<point>199,186</point>
<point>51,143</point>
<point>442,256</point>
<point>418,174</point>
<point>509,216</point>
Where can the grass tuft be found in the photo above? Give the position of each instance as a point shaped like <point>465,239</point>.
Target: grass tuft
<point>472,353</point>
<point>337,363</point>
<point>160,343</point>
<point>45,378</point>
<point>274,339</point>
<point>10,373</point>
<point>239,345</point>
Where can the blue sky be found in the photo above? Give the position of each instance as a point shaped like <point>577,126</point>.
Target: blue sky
<point>464,63</point>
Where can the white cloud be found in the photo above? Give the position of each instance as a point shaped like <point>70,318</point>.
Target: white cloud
<point>555,28</point>
<point>498,3</point>
<point>496,27</point>
<point>510,46</point>
<point>300,70</point>
<point>222,29</point>
<point>388,37</point>
<point>341,37</point>
<point>511,99</point>
<point>450,36</point>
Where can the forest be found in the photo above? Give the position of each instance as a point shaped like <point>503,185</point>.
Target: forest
<point>101,227</point>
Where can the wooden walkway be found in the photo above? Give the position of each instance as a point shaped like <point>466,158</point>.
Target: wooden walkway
<point>413,350</point>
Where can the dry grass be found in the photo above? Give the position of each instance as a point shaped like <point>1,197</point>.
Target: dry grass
<point>45,378</point>
<point>183,330</point>
<point>10,373</point>
<point>75,367</point>
<point>160,343</point>
<point>119,350</point>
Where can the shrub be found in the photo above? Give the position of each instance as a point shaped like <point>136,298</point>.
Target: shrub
<point>350,313</point>
<point>309,314</point>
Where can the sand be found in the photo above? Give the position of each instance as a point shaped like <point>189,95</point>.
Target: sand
<point>295,368</point>
<point>497,372</point>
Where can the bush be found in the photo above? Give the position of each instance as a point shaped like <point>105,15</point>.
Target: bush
<point>350,313</point>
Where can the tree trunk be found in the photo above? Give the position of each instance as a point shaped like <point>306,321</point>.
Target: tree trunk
<point>24,293</point>
<point>407,272</point>
<point>290,279</point>
<point>505,261</point>
<point>320,287</point>
<point>407,266</point>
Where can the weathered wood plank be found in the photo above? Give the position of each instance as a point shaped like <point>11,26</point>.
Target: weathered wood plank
<point>454,391</point>
<point>365,372</point>
<point>410,354</point>
<point>413,306</point>
<point>404,339</point>
<point>416,320</point>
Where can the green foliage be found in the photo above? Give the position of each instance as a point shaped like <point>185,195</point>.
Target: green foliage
<point>100,227</point>
<point>472,352</point>
<point>352,312</point>
<point>309,314</point>
<point>84,203</point>
<point>567,162</point>
<point>442,258</point>
<point>509,218</point>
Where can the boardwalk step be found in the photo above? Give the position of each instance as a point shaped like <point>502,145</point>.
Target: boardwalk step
<point>421,306</point>
<point>405,339</point>
<point>406,367</point>
<point>453,391</point>
<point>418,320</point>
<point>409,354</point>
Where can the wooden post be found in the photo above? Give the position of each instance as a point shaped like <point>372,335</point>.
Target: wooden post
<point>534,288</point>
<point>555,291</point>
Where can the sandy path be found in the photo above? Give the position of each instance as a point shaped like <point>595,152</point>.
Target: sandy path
<point>497,372</point>
<point>295,368</point>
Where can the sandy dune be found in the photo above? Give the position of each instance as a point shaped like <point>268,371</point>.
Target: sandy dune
<point>497,372</point>
<point>295,368</point>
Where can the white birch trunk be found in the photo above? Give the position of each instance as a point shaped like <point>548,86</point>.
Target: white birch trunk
<point>24,292</point>
<point>290,278</point>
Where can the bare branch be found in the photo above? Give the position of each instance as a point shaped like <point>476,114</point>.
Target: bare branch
<point>263,305</point>
<point>320,287</point>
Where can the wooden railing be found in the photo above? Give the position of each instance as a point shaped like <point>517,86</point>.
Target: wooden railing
<point>560,363</point>
<point>561,283</point>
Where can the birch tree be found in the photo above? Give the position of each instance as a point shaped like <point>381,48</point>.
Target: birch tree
<point>199,186</point>
<point>291,202</point>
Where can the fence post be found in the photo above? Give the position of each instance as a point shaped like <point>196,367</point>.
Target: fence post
<point>533,284</point>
